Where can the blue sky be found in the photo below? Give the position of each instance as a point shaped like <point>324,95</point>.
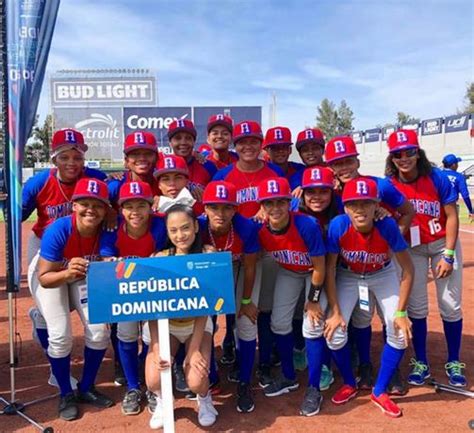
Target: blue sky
<point>381,56</point>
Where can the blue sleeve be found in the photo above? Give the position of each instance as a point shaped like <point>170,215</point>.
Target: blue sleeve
<point>297,165</point>
<point>158,231</point>
<point>202,221</point>
<point>389,194</point>
<point>309,229</point>
<point>247,231</point>
<point>278,171</point>
<point>389,230</point>
<point>294,204</point>
<point>447,193</point>
<point>211,168</point>
<point>107,247</point>
<point>222,173</point>
<point>95,174</point>
<point>31,189</point>
<point>463,190</point>
<point>337,227</point>
<point>296,180</point>
<point>55,238</point>
<point>114,189</point>
<point>339,203</point>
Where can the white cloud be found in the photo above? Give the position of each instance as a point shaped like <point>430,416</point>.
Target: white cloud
<point>280,82</point>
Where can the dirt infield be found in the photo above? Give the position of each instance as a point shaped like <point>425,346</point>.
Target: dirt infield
<point>424,410</point>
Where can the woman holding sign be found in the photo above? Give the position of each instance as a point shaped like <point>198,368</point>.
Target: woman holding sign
<point>196,333</point>
<point>433,239</point>
<point>67,246</point>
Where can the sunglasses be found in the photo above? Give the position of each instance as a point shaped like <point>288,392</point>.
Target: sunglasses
<point>408,153</point>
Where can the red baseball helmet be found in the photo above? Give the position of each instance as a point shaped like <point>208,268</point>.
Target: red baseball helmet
<point>247,128</point>
<point>279,135</point>
<point>360,188</point>
<point>272,188</point>
<point>217,192</point>
<point>91,188</point>
<point>339,148</point>
<point>402,139</point>
<point>171,164</point>
<point>310,135</point>
<point>135,190</point>
<point>220,119</point>
<point>66,139</point>
<point>318,177</point>
<point>140,140</point>
<point>181,125</point>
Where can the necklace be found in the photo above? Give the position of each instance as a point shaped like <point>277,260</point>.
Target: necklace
<point>229,241</point>
<point>61,189</point>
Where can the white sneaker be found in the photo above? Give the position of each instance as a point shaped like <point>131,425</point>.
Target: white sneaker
<point>53,382</point>
<point>156,420</point>
<point>207,413</point>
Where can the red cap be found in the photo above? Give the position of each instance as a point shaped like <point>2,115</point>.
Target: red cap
<point>140,140</point>
<point>134,190</point>
<point>402,139</point>
<point>247,128</point>
<point>279,135</point>
<point>181,125</point>
<point>340,147</point>
<point>310,135</point>
<point>66,139</point>
<point>318,177</point>
<point>91,188</point>
<point>171,164</point>
<point>220,192</point>
<point>220,119</point>
<point>272,188</point>
<point>361,188</point>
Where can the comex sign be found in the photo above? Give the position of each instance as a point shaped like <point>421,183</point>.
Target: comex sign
<point>141,122</point>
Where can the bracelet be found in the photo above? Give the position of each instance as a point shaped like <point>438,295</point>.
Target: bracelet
<point>449,260</point>
<point>448,252</point>
<point>401,314</point>
<point>246,301</point>
<point>314,293</point>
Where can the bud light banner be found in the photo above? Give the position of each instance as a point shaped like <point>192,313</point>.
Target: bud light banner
<point>372,135</point>
<point>456,123</point>
<point>155,120</point>
<point>30,25</point>
<point>432,126</point>
<point>387,131</point>
<point>160,288</point>
<point>357,137</point>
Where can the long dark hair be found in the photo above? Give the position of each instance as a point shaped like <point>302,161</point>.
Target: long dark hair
<point>330,212</point>
<point>197,245</point>
<point>423,165</point>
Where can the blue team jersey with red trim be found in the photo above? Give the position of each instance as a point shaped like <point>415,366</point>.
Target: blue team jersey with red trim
<point>119,244</point>
<point>458,181</point>
<point>200,174</point>
<point>50,197</point>
<point>293,168</point>
<point>364,252</point>
<point>244,240</point>
<point>233,157</point>
<point>294,248</point>
<point>247,185</point>
<point>114,186</point>
<point>429,195</point>
<point>61,242</point>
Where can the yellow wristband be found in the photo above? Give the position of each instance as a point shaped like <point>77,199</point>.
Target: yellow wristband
<point>401,314</point>
<point>246,301</point>
<point>448,252</point>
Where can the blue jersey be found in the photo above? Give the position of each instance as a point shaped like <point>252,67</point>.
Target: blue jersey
<point>458,181</point>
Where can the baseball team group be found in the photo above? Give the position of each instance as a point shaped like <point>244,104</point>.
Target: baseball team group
<point>317,249</point>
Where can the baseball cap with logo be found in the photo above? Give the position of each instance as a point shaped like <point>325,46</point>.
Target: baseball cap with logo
<point>91,188</point>
<point>451,159</point>
<point>171,164</point>
<point>247,128</point>
<point>339,148</point>
<point>360,188</point>
<point>279,135</point>
<point>220,192</point>
<point>310,135</point>
<point>220,119</point>
<point>318,177</point>
<point>274,188</point>
<point>403,139</point>
<point>181,125</point>
<point>66,139</point>
<point>135,190</point>
<point>140,140</point>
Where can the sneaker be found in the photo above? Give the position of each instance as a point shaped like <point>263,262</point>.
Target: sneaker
<point>327,378</point>
<point>312,402</point>
<point>299,359</point>
<point>189,395</point>
<point>234,374</point>
<point>119,376</point>
<point>151,401</point>
<point>179,378</point>
<point>454,370</point>
<point>156,420</point>
<point>264,375</point>
<point>419,373</point>
<point>364,378</point>
<point>280,385</point>
<point>228,357</point>
<point>68,409</point>
<point>95,398</point>
<point>207,413</point>
<point>245,402</point>
<point>344,394</point>
<point>387,406</point>
<point>131,402</point>
<point>53,382</point>
<point>397,386</point>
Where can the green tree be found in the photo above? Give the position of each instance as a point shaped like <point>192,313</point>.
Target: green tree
<point>37,148</point>
<point>345,117</point>
<point>469,98</point>
<point>404,119</point>
<point>326,119</point>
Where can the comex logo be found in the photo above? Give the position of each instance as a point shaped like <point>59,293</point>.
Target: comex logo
<point>139,122</point>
